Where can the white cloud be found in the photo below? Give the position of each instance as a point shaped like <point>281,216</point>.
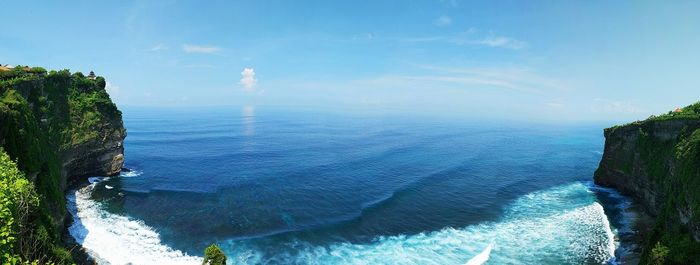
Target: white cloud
<point>191,48</point>
<point>555,105</point>
<point>198,66</point>
<point>367,36</point>
<point>469,37</point>
<point>502,42</point>
<point>442,21</point>
<point>449,81</point>
<point>112,90</point>
<point>159,47</point>
<point>515,79</point>
<point>248,80</point>
<point>601,105</point>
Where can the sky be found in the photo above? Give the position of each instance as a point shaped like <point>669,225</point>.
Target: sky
<point>524,60</point>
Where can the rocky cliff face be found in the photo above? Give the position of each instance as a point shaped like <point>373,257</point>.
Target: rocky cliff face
<point>102,156</point>
<point>59,128</point>
<point>657,162</point>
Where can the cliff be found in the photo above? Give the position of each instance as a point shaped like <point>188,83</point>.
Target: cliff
<point>657,162</point>
<point>59,128</point>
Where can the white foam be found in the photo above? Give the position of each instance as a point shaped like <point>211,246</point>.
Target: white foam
<point>94,179</point>
<point>563,225</point>
<point>539,229</point>
<point>482,257</point>
<point>115,239</point>
<point>130,174</point>
<point>109,187</point>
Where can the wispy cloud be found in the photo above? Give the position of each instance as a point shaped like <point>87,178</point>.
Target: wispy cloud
<point>198,66</point>
<point>555,105</point>
<point>470,37</point>
<point>248,80</point>
<point>611,106</point>
<point>112,90</point>
<point>442,21</point>
<point>502,42</point>
<point>515,79</point>
<point>452,3</point>
<point>192,48</point>
<point>158,47</point>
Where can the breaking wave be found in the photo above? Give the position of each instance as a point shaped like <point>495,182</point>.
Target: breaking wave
<point>115,239</point>
<point>561,225</point>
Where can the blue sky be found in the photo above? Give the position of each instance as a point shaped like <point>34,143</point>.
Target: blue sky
<point>540,60</point>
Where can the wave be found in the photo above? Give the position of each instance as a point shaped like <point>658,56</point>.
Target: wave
<point>539,230</point>
<point>623,217</point>
<point>130,173</point>
<point>561,225</point>
<point>482,257</point>
<point>115,239</point>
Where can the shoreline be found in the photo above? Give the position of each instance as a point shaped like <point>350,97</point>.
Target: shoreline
<point>630,221</point>
<point>97,236</point>
<point>78,252</point>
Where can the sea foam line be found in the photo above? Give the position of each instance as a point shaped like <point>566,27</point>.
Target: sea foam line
<point>115,239</point>
<point>563,225</point>
<point>482,257</point>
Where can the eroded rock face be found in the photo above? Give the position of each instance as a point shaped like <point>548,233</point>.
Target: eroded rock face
<point>103,156</point>
<point>640,160</point>
<point>117,163</point>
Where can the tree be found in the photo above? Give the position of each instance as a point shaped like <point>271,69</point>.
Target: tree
<point>214,256</point>
<point>659,254</point>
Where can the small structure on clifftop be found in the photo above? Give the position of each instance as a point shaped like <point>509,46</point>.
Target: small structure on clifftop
<point>678,110</point>
<point>92,75</point>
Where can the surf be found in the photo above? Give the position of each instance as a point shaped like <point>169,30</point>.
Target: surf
<point>115,239</point>
<point>562,225</point>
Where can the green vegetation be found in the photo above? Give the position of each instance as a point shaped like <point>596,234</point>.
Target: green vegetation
<point>658,254</point>
<point>23,236</point>
<point>214,256</point>
<point>42,115</point>
<point>673,169</point>
<point>688,112</point>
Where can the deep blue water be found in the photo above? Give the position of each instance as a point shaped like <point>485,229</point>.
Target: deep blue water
<point>274,186</point>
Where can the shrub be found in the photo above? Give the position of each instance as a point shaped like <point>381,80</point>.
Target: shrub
<point>658,254</point>
<point>18,203</point>
<point>214,256</point>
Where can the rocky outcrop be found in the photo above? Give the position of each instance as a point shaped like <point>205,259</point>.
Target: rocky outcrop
<point>656,162</point>
<point>59,128</point>
<point>100,157</point>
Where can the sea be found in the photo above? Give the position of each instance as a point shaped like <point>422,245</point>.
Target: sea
<point>287,186</point>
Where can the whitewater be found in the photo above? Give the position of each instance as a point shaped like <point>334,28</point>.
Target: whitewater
<point>560,225</point>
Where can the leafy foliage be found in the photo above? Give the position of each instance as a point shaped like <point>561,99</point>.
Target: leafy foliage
<point>42,115</point>
<point>658,254</point>
<point>673,167</point>
<point>214,256</point>
<point>689,112</point>
<point>22,236</point>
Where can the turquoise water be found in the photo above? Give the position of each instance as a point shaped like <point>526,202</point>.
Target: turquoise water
<point>280,187</point>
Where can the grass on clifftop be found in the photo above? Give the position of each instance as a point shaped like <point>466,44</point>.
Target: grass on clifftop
<point>688,112</point>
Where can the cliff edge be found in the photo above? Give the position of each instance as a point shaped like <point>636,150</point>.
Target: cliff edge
<point>657,162</point>
<point>57,128</point>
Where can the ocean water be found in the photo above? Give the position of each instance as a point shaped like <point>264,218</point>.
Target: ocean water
<point>274,186</point>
